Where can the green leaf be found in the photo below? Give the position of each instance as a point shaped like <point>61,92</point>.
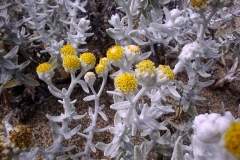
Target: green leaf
<point>55,62</point>
<point>27,80</point>
<point>138,155</point>
<point>12,53</point>
<point>178,152</point>
<point>164,1</point>
<point>1,88</point>
<point>236,34</point>
<point>6,64</point>
<point>121,105</point>
<point>222,32</point>
<point>11,84</point>
<point>23,65</point>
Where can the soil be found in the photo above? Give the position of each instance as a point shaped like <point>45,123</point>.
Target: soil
<point>34,110</point>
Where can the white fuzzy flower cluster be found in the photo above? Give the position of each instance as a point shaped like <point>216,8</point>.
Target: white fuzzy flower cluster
<point>207,141</point>
<point>189,52</point>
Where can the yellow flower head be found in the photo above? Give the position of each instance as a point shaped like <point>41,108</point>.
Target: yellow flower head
<point>100,68</point>
<point>90,78</point>
<point>126,83</point>
<point>71,63</point>
<point>90,75</point>
<point>132,52</point>
<point>231,139</point>
<point>115,53</point>
<point>21,137</point>
<point>164,74</point>
<point>67,50</point>
<point>145,69</point>
<point>198,4</point>
<point>88,59</point>
<point>44,67</point>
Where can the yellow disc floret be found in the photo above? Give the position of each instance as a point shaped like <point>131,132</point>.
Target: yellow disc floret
<point>71,63</point>
<point>231,139</point>
<point>88,58</point>
<point>115,53</point>
<point>44,67</point>
<point>126,83</point>
<point>21,137</point>
<point>198,4</point>
<point>67,50</point>
<point>145,67</point>
<point>166,72</point>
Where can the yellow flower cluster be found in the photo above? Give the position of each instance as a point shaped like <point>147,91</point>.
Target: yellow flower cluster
<point>88,58</point>
<point>21,137</point>
<point>44,67</point>
<point>198,4</point>
<point>115,53</point>
<point>126,83</point>
<point>231,139</point>
<point>67,50</point>
<point>167,72</point>
<point>145,67</point>
<point>71,63</point>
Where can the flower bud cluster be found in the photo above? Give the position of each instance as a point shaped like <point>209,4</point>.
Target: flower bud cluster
<point>216,137</point>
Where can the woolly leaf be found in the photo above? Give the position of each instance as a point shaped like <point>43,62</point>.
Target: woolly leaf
<point>12,53</point>
<point>89,98</point>
<point>138,155</point>
<point>178,152</point>
<point>27,80</point>
<point>84,85</point>
<point>121,105</point>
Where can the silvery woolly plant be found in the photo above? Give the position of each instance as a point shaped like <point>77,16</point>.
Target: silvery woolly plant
<point>215,137</point>
<point>16,141</point>
<point>193,53</point>
<point>72,63</point>
<point>133,115</point>
<point>64,21</point>
<point>11,73</point>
